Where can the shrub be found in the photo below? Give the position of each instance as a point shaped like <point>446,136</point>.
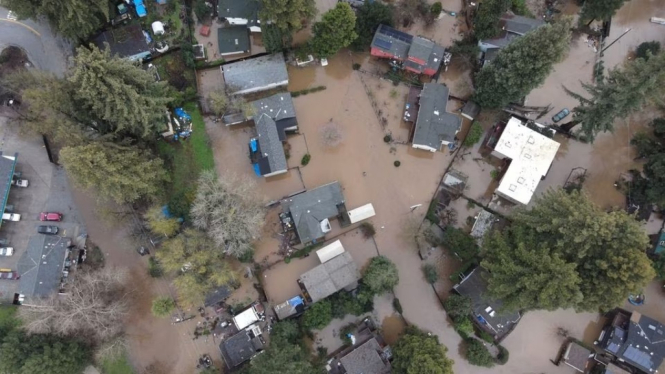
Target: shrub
<point>317,316</point>
<point>356,66</point>
<point>436,9</point>
<point>397,305</point>
<point>388,138</point>
<point>503,355</point>
<point>494,174</point>
<point>247,256</point>
<point>461,243</point>
<point>368,230</point>
<point>154,268</point>
<point>464,327</point>
<point>397,163</point>
<point>457,306</point>
<point>646,49</point>
<point>380,275</point>
<point>477,354</point>
<point>474,135</point>
<point>162,306</point>
<point>305,159</point>
<point>431,275</point>
<point>346,330</point>
<point>484,335</point>
<point>295,94</point>
<point>344,303</point>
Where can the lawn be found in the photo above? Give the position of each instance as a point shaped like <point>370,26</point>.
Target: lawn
<point>118,366</point>
<point>7,318</point>
<point>186,159</point>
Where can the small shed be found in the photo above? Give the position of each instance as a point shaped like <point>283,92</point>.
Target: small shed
<point>361,213</point>
<point>246,318</point>
<point>330,251</point>
<point>158,28</point>
<point>577,357</point>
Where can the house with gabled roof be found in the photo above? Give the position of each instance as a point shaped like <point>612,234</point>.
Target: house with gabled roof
<point>434,126</point>
<point>255,74</point>
<point>512,27</point>
<point>417,54</point>
<point>240,12</point>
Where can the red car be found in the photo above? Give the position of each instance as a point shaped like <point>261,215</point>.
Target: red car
<point>50,216</point>
<point>8,274</point>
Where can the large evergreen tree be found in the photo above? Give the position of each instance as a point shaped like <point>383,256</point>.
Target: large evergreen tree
<point>75,19</point>
<point>486,22</point>
<point>287,15</point>
<point>41,354</point>
<point>335,31</point>
<point>523,65</point>
<point>601,10</point>
<point>566,252</point>
<point>368,18</point>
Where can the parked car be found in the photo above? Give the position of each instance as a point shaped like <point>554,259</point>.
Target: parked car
<point>20,182</point>
<point>11,217</point>
<point>6,251</point>
<point>50,216</point>
<point>561,115</point>
<point>48,230</point>
<point>8,274</point>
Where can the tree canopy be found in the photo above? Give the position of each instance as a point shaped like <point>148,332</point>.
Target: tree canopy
<point>416,352</point>
<point>523,65</point>
<point>230,210</point>
<point>599,9</point>
<point>121,173</point>
<point>75,19</point>
<point>335,31</point>
<point>284,355</point>
<point>368,18</point>
<point>477,353</point>
<point>159,223</point>
<point>381,275</point>
<point>567,253</point>
<point>21,353</point>
<point>317,316</point>
<point>287,15</point>
<point>622,93</point>
<point>486,22</point>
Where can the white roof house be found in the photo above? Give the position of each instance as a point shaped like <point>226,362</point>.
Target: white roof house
<point>531,153</point>
<point>246,318</point>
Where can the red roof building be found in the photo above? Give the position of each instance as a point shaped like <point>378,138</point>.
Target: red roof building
<point>417,54</point>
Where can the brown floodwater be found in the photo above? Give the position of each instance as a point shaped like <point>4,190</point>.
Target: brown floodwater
<point>391,328</point>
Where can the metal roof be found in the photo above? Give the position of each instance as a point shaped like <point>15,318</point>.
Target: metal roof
<point>310,208</point>
<point>256,74</point>
<point>434,124</point>
<point>330,277</point>
<point>41,265</point>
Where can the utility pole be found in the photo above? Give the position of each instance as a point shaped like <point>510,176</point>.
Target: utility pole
<point>615,40</point>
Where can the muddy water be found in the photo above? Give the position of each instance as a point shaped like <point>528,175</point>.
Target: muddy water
<point>280,281</point>
<point>391,328</point>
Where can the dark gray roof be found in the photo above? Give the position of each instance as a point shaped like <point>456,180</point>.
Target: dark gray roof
<point>392,41</point>
<point>408,48</point>
<point>127,41</point>
<point>421,48</point>
<point>217,295</point>
<point>366,359</point>
<point>7,166</point>
<point>471,109</point>
<point>233,39</point>
<point>278,106</point>
<point>331,276</point>
<point>256,74</point>
<point>270,145</point>
<point>240,348</point>
<point>513,27</point>
<point>247,9</point>
<point>434,124</point>
<point>577,356</point>
<point>309,208</point>
<point>474,286</point>
<point>643,346</point>
<point>41,265</point>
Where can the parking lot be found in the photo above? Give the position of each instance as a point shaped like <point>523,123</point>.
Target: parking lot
<point>48,191</point>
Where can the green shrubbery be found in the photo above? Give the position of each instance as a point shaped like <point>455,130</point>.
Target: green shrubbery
<point>474,135</point>
<point>477,354</point>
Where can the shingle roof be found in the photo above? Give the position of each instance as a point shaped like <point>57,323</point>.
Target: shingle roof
<point>41,265</point>
<point>576,356</point>
<point>217,295</point>
<point>270,145</point>
<point>278,106</point>
<point>471,109</point>
<point>392,41</point>
<point>366,359</point>
<point>240,348</point>
<point>434,124</point>
<point>330,277</point>
<point>233,39</point>
<point>247,9</point>
<point>256,74</point>
<point>7,165</point>
<point>421,48</point>
<point>403,46</point>
<point>644,345</point>
<point>513,27</point>
<point>127,41</point>
<point>309,208</point>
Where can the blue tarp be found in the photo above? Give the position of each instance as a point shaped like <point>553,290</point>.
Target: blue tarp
<point>140,8</point>
<point>257,170</point>
<point>148,39</point>
<point>182,114</point>
<point>660,246</point>
<point>253,145</point>
<point>296,301</point>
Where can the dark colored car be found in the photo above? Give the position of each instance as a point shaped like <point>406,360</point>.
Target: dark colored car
<point>50,216</point>
<point>48,230</point>
<point>561,115</point>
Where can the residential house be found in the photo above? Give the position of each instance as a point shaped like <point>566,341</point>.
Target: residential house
<point>233,40</point>
<point>309,213</point>
<point>249,316</point>
<point>637,342</point>
<point>292,307</point>
<point>255,74</point>
<point>435,127</point>
<point>577,357</point>
<point>43,266</point>
<point>334,275</point>
<point>486,310</point>
<point>217,296</point>
<point>416,54</point>
<point>470,110</point>
<point>125,42</point>
<point>512,27</point>
<point>240,12</point>
<point>529,155</point>
<point>242,346</point>
<point>7,168</point>
<point>368,354</point>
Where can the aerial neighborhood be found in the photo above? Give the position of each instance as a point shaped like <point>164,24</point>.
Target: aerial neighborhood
<point>343,187</point>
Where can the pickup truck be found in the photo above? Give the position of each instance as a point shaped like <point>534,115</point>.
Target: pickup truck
<point>11,217</point>
<point>6,251</point>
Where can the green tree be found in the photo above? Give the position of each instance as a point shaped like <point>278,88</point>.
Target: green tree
<point>41,354</point>
<point>285,332</point>
<point>523,65</point>
<point>368,18</point>
<point>274,38</point>
<point>317,316</point>
<point>199,266</point>
<point>567,252</point>
<point>458,306</point>
<point>287,15</point>
<point>653,170</point>
<point>462,244</point>
<point>281,358</point>
<point>477,353</point>
<point>119,96</point>
<point>475,133</point>
<point>162,306</point>
<point>121,173</point>
<point>335,31</point>
<point>75,19</point>
<point>430,273</point>
<point>647,49</point>
<point>417,352</point>
<point>159,223</point>
<point>486,22</point>
<point>599,9</point>
<point>381,275</point>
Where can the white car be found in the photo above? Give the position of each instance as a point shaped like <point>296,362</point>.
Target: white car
<point>6,251</point>
<point>20,182</point>
<point>11,217</point>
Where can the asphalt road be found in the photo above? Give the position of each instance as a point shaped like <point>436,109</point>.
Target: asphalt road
<point>45,50</point>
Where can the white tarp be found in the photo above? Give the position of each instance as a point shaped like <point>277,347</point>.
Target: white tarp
<point>364,212</point>
<point>330,251</point>
<point>245,318</point>
<point>157,28</point>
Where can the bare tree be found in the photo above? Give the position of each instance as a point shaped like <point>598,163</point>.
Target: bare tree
<point>218,102</point>
<point>93,308</point>
<point>230,209</point>
<point>331,134</point>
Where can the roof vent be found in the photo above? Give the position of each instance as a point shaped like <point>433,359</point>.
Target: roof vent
<point>512,187</point>
<point>652,327</point>
<point>236,41</point>
<point>520,180</point>
<point>527,156</point>
<point>531,140</point>
<point>436,112</point>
